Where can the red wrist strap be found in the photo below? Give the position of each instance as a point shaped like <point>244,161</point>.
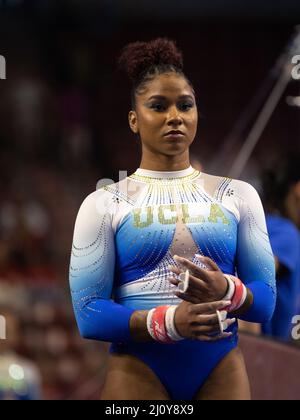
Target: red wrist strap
<point>237,299</point>
<point>159,326</point>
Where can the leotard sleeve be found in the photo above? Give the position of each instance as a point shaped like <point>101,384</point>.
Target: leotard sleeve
<point>254,259</point>
<point>92,269</point>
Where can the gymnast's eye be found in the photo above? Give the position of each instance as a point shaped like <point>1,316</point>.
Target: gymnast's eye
<point>185,106</point>
<point>159,107</point>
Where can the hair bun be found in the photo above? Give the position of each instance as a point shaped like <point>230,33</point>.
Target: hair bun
<point>137,57</point>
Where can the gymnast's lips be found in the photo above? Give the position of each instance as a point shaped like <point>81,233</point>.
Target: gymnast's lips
<point>174,134</point>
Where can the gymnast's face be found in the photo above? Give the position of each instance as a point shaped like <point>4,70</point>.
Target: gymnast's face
<point>167,103</point>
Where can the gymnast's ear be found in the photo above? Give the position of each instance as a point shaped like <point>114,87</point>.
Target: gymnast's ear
<point>133,122</point>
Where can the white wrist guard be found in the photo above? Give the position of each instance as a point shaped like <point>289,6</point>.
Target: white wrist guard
<point>170,324</point>
<point>231,288</point>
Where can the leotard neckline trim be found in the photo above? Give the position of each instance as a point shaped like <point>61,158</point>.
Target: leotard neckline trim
<point>166,175</point>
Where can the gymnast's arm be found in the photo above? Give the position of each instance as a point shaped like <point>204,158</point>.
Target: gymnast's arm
<point>92,268</point>
<point>254,260</point>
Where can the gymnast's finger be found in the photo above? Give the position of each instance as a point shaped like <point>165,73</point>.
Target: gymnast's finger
<point>195,269</point>
<point>211,307</point>
<point>208,262</point>
<point>186,297</point>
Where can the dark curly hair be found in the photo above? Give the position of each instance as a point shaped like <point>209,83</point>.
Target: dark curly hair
<point>143,61</point>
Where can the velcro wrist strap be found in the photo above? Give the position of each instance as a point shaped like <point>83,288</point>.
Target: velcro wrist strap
<point>239,296</point>
<point>170,324</point>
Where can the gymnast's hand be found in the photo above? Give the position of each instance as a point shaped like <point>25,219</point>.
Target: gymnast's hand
<point>205,284</point>
<point>201,322</point>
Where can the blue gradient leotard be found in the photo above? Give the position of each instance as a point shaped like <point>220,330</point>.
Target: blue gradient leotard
<point>126,235</point>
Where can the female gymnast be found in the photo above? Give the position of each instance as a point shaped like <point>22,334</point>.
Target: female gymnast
<point>164,261</point>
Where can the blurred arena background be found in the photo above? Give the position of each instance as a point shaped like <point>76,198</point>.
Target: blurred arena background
<point>63,127</point>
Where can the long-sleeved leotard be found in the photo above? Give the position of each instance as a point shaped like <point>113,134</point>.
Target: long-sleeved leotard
<point>126,235</point>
